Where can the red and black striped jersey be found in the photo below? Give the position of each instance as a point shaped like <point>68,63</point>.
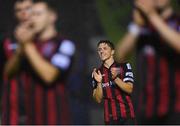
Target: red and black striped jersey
<point>117,103</point>
<point>12,89</point>
<point>158,73</point>
<point>47,104</point>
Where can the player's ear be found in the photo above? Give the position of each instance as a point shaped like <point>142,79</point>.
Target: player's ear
<point>53,16</point>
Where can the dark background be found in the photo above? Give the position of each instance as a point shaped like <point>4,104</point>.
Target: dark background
<point>85,22</point>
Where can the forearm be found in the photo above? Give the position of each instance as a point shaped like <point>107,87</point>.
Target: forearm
<point>171,36</point>
<point>98,94</point>
<point>125,46</point>
<point>12,65</point>
<point>44,69</point>
<point>126,87</point>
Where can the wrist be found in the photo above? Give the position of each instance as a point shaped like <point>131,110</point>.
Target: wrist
<point>151,13</point>
<point>99,82</point>
<point>28,47</point>
<point>134,29</point>
<point>116,78</point>
<point>27,44</point>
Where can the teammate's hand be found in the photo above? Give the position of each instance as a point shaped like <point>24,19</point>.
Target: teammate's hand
<point>138,18</point>
<point>97,75</point>
<point>115,72</point>
<point>24,33</point>
<point>146,6</point>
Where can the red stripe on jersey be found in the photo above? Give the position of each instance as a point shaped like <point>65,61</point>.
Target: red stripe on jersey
<point>5,103</point>
<point>106,80</point>
<point>106,111</point>
<point>130,106</point>
<point>119,97</point>
<point>117,91</point>
<point>14,111</point>
<point>163,88</point>
<point>122,106</point>
<point>52,118</point>
<point>140,102</point>
<point>65,117</point>
<point>150,88</point>
<point>113,106</point>
<point>38,104</point>
<point>27,82</point>
<point>177,87</point>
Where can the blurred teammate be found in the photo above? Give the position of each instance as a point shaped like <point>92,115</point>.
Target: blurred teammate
<point>113,83</point>
<point>155,32</point>
<point>13,87</point>
<point>47,60</point>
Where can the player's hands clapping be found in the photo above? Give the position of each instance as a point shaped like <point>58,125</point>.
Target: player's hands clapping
<point>24,33</point>
<point>146,6</point>
<point>138,18</point>
<point>97,75</point>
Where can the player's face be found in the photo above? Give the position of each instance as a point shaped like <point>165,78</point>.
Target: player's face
<point>40,17</point>
<point>105,52</point>
<point>23,10</point>
<point>160,4</point>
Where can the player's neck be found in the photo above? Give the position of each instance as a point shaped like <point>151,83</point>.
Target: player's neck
<point>48,33</point>
<point>107,63</point>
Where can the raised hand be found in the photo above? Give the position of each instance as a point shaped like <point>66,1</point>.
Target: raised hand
<point>97,75</point>
<point>138,18</point>
<point>24,33</point>
<point>146,6</point>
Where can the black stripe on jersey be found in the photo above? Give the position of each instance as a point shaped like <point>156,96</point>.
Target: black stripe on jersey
<point>58,104</point>
<point>123,94</point>
<point>32,101</point>
<point>126,105</point>
<point>112,87</point>
<point>21,99</point>
<point>7,93</point>
<point>118,108</point>
<point>8,102</point>
<point>110,110</point>
<point>172,90</point>
<point>45,105</point>
<point>143,77</point>
<point>156,84</point>
<point>103,80</point>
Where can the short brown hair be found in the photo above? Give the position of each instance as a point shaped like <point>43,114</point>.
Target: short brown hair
<point>109,43</point>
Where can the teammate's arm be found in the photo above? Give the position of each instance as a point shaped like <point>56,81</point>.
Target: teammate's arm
<point>12,65</point>
<point>171,36</point>
<point>44,69</point>
<point>125,46</point>
<point>127,43</point>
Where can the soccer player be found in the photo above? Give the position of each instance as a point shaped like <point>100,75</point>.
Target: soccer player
<point>113,83</point>
<point>13,86</point>
<point>155,32</point>
<point>47,60</point>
